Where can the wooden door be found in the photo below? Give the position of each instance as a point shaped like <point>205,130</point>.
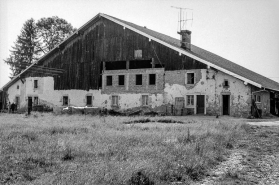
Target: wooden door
<point>226,104</point>
<point>200,104</point>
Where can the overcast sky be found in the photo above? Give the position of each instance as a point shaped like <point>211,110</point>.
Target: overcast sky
<point>243,31</point>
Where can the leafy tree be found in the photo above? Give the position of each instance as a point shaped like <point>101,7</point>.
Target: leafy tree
<point>52,31</point>
<point>36,39</point>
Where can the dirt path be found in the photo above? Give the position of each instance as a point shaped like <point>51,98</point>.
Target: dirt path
<point>255,160</point>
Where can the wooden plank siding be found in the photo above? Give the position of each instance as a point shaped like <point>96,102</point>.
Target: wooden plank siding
<point>105,40</point>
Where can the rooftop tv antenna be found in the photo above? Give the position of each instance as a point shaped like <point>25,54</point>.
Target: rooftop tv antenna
<point>182,22</point>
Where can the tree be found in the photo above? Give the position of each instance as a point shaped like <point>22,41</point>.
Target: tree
<point>52,31</point>
<point>25,49</point>
<point>36,39</point>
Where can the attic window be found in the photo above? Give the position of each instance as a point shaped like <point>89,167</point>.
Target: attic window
<point>138,53</point>
<point>17,86</point>
<point>226,83</point>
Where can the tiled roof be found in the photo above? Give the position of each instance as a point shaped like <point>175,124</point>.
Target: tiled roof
<point>210,57</point>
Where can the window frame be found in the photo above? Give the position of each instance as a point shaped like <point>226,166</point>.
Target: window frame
<point>192,100</point>
<point>144,100</point>
<point>115,97</point>
<point>192,79</point>
<point>107,77</point>
<point>36,84</point>
<point>63,102</point>
<point>119,80</point>
<point>36,100</point>
<point>137,75</point>
<point>226,81</point>
<point>91,99</point>
<point>154,79</point>
<point>259,98</point>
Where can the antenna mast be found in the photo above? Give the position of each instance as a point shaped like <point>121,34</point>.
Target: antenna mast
<point>181,20</point>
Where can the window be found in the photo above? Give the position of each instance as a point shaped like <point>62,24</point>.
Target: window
<point>190,99</point>
<point>88,100</point>
<point>17,86</point>
<point>144,99</point>
<point>259,98</point>
<point>226,83</point>
<point>190,78</point>
<point>121,80</point>
<point>152,79</point>
<point>138,79</point>
<point>114,100</point>
<point>138,54</point>
<point>65,100</point>
<point>35,83</point>
<point>36,100</point>
<point>109,80</point>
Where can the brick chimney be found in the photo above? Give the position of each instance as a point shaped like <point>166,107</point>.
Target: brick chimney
<point>185,37</point>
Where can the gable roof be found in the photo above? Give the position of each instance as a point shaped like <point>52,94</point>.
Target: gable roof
<point>209,58</point>
<point>196,53</point>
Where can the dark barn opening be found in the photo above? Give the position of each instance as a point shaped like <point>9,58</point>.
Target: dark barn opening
<point>115,65</point>
<point>140,64</point>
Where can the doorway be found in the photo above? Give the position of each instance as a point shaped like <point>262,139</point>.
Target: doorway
<point>29,104</point>
<point>226,104</point>
<point>179,105</point>
<point>200,104</point>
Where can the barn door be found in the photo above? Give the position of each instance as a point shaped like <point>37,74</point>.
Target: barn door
<point>179,105</point>
<point>200,104</point>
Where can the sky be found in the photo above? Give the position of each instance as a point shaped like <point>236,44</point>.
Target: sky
<point>243,31</point>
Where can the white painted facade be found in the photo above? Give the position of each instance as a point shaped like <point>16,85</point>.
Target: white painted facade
<point>207,82</point>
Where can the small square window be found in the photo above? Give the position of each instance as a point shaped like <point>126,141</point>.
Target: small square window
<point>190,99</point>
<point>35,83</point>
<point>36,100</point>
<point>88,100</point>
<point>138,79</point>
<point>226,83</point>
<point>190,78</point>
<point>121,80</point>
<point>152,79</point>
<point>65,100</point>
<point>114,100</point>
<point>109,80</point>
<point>144,99</point>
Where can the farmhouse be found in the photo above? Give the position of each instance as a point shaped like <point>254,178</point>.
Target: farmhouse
<point>114,64</point>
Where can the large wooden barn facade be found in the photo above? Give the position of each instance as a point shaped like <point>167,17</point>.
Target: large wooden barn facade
<point>114,64</point>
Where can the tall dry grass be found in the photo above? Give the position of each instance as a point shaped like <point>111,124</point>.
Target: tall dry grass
<point>49,149</point>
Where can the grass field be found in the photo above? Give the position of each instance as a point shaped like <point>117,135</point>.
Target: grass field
<point>76,149</point>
